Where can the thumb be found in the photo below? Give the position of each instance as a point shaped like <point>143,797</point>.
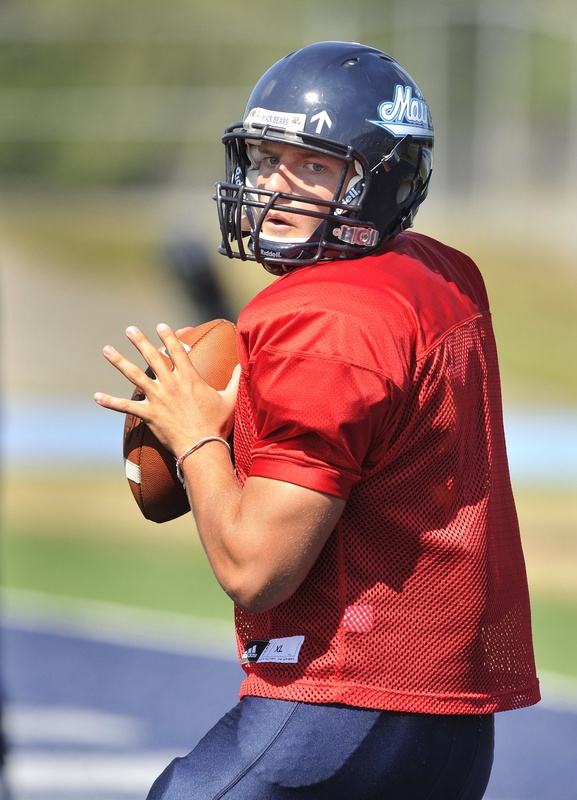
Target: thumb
<point>181,331</point>
<point>231,390</point>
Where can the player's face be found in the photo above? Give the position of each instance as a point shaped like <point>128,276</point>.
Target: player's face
<point>293,170</point>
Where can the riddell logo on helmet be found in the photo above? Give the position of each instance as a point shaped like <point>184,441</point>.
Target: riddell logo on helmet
<point>405,115</point>
<point>271,253</point>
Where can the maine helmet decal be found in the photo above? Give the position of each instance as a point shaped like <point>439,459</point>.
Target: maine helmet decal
<point>405,115</point>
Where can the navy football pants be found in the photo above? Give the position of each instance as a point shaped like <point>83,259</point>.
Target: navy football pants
<point>275,749</point>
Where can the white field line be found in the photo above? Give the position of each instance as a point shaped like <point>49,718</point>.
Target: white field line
<point>117,624</point>
<point>74,774</point>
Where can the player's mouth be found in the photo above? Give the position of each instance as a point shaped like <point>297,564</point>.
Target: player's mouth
<point>279,224</point>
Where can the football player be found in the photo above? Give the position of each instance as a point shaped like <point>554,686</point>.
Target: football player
<point>367,532</point>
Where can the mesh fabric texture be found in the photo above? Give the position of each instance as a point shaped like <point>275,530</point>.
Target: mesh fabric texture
<point>419,600</point>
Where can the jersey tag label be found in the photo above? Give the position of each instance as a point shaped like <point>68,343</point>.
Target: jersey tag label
<point>275,651</point>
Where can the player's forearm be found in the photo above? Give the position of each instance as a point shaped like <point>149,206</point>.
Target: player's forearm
<point>261,540</point>
<point>231,545</point>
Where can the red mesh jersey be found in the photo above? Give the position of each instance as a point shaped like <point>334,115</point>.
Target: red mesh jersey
<point>376,380</point>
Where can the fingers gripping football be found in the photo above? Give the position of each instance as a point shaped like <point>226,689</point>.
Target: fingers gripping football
<point>152,383</point>
<point>174,401</point>
<point>171,396</point>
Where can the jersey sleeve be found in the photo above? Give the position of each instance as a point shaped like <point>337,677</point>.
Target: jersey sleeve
<point>320,421</point>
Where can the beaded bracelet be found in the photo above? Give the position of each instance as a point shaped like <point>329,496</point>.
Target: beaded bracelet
<point>191,450</point>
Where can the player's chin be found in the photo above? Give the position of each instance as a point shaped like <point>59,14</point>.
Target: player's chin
<point>277,231</point>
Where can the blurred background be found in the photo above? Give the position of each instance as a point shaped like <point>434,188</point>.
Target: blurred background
<point>111,113</point>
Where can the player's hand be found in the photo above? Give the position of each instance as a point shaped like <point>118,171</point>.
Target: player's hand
<point>179,406</point>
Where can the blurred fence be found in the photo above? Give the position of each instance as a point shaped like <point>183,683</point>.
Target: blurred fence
<point>500,76</point>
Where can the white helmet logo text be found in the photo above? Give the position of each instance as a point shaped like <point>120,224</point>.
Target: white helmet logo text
<point>405,115</point>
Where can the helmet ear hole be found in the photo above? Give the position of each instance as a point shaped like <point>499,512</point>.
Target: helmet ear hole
<point>404,191</point>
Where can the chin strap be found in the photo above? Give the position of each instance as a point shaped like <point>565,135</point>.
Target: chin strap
<point>357,235</point>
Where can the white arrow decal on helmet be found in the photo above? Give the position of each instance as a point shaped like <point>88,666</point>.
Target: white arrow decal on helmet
<point>323,119</point>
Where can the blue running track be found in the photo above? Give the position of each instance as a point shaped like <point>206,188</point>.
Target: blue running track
<point>100,699</point>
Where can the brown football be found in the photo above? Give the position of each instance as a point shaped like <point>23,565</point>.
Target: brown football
<point>150,467</point>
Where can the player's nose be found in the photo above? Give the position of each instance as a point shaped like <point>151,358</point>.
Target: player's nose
<point>279,180</point>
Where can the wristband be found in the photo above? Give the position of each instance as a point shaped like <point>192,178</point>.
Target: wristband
<point>192,449</point>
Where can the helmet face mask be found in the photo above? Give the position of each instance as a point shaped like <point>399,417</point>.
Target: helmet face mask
<point>243,207</point>
<point>347,101</point>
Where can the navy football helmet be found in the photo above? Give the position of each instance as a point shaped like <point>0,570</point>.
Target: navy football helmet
<point>342,99</point>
